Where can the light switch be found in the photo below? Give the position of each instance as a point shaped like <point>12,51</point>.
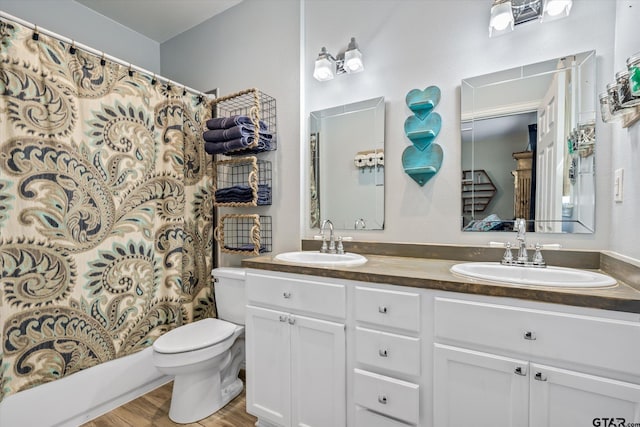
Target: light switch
<point>618,181</point>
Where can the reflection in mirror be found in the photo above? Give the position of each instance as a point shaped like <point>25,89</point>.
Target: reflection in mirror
<point>528,136</point>
<point>347,165</point>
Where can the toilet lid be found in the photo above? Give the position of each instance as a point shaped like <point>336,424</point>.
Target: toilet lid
<point>194,336</point>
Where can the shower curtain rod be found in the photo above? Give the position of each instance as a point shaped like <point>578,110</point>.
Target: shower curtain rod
<point>100,54</point>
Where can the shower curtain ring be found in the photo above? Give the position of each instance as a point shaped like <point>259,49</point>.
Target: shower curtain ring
<point>35,35</point>
<point>184,90</point>
<point>72,49</point>
<point>154,80</point>
<point>130,71</point>
<point>103,61</point>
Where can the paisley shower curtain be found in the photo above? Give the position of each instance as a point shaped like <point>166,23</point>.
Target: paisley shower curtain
<point>105,209</point>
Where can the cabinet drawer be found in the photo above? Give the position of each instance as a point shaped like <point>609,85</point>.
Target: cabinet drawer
<point>366,418</point>
<point>388,308</point>
<point>594,341</point>
<point>297,295</point>
<point>389,396</point>
<point>479,324</point>
<point>388,351</point>
<point>587,340</point>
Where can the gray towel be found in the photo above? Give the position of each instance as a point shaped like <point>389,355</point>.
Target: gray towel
<point>235,132</point>
<point>231,121</point>
<point>228,146</point>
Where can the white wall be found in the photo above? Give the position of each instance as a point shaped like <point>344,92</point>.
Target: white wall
<point>253,44</point>
<point>77,22</point>
<point>625,144</point>
<point>414,44</point>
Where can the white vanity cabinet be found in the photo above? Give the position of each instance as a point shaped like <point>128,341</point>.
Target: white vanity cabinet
<point>515,366</point>
<point>335,353</point>
<point>295,338</point>
<point>387,356</point>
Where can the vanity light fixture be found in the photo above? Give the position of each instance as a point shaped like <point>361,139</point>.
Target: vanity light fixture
<point>501,17</point>
<point>327,66</point>
<point>556,9</point>
<point>506,14</point>
<point>353,58</point>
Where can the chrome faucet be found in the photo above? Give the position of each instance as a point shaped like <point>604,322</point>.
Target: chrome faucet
<point>332,243</point>
<point>520,226</point>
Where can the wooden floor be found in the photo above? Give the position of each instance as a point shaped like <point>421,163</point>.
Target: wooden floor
<point>152,410</point>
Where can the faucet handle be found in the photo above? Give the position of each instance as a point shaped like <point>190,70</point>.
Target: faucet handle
<point>340,247</point>
<point>323,248</point>
<point>507,258</point>
<point>538,261</point>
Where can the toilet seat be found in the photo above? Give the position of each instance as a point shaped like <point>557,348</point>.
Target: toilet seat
<point>194,336</point>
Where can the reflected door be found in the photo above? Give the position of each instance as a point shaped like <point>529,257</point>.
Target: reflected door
<point>550,155</point>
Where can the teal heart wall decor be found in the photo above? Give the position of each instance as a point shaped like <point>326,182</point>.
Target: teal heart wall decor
<point>421,102</point>
<point>423,132</point>
<point>422,165</point>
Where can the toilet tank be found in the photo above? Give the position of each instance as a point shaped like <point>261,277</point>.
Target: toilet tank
<point>228,284</point>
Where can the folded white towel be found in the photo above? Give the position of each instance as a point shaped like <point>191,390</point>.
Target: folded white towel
<point>360,161</point>
<point>371,159</point>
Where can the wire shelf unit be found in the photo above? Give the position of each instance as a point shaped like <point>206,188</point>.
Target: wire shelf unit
<point>242,181</point>
<point>257,105</point>
<point>244,234</point>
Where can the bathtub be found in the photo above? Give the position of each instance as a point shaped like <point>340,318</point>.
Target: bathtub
<point>85,395</point>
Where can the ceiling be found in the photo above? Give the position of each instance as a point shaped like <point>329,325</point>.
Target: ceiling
<point>160,20</point>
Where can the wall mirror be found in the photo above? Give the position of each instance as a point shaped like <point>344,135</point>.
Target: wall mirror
<point>347,165</point>
<point>528,147</point>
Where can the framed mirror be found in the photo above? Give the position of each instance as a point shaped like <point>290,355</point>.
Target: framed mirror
<point>528,147</point>
<point>347,165</point>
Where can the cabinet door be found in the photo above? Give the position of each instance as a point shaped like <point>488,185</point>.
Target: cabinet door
<point>478,389</point>
<point>562,398</point>
<point>318,373</point>
<point>268,365</point>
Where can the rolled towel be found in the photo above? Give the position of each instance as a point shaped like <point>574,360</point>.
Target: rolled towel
<point>228,146</point>
<point>235,132</point>
<point>360,160</point>
<point>371,159</point>
<point>231,121</point>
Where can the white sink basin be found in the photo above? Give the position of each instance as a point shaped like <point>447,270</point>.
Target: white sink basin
<point>559,277</point>
<point>322,259</point>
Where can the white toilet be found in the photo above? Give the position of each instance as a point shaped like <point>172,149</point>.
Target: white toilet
<point>205,356</point>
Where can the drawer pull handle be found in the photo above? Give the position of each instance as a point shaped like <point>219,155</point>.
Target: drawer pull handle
<point>520,371</point>
<point>530,336</point>
<point>286,295</point>
<point>540,377</point>
<point>383,353</point>
<point>382,399</point>
<point>291,320</point>
<point>283,318</point>
<point>382,309</point>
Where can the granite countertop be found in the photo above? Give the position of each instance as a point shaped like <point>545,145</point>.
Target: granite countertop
<point>434,274</point>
